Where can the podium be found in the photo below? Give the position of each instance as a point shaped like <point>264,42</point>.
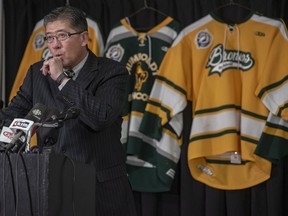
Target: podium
<point>45,184</point>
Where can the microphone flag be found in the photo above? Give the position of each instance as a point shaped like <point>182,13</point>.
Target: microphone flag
<point>6,135</point>
<point>21,124</point>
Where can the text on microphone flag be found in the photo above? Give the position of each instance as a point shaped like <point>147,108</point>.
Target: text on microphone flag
<point>21,124</point>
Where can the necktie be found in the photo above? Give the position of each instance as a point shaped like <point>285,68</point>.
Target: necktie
<point>69,73</point>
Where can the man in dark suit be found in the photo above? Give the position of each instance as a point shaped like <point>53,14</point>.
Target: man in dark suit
<point>96,87</point>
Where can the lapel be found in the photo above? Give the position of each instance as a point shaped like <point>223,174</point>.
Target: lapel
<point>89,70</point>
<point>54,93</point>
<point>85,77</point>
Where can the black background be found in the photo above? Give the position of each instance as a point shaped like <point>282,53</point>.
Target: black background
<point>187,197</point>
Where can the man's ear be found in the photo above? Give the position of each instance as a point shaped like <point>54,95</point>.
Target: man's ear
<point>85,38</point>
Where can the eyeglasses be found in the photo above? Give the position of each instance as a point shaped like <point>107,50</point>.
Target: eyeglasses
<point>60,36</point>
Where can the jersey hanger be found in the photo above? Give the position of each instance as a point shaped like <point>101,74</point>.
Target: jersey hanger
<point>146,7</point>
<point>142,19</point>
<point>232,12</point>
<point>232,3</point>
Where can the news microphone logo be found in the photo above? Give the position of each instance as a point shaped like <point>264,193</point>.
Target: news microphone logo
<point>6,135</point>
<point>37,113</point>
<point>21,124</point>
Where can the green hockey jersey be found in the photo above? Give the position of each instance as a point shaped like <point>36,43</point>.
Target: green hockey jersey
<point>151,163</point>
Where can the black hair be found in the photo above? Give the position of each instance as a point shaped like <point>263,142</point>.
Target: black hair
<point>75,16</point>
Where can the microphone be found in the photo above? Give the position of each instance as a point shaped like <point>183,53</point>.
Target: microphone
<point>47,133</point>
<point>6,136</point>
<point>26,126</point>
<point>49,130</point>
<point>71,113</point>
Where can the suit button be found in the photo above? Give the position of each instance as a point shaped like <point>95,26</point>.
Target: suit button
<point>63,150</point>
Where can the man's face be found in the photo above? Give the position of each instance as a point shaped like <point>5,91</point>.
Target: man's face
<point>71,50</point>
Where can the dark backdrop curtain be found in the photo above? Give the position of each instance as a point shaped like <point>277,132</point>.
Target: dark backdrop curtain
<point>187,196</point>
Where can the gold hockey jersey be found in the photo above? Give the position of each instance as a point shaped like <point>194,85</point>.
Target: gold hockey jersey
<point>234,75</point>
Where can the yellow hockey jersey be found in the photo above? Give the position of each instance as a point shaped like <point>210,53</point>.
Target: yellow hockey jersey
<point>37,50</point>
<point>234,75</point>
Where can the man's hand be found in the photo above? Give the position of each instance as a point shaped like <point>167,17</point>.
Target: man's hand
<point>53,67</point>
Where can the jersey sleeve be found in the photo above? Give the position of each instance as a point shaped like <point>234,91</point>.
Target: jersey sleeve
<point>273,143</point>
<point>168,97</point>
<point>272,90</point>
<point>273,84</point>
<point>96,43</point>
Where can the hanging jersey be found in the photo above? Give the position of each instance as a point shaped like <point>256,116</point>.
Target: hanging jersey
<point>233,75</point>
<point>37,50</point>
<point>151,164</point>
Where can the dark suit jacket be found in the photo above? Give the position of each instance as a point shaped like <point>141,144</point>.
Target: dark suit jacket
<point>93,137</point>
